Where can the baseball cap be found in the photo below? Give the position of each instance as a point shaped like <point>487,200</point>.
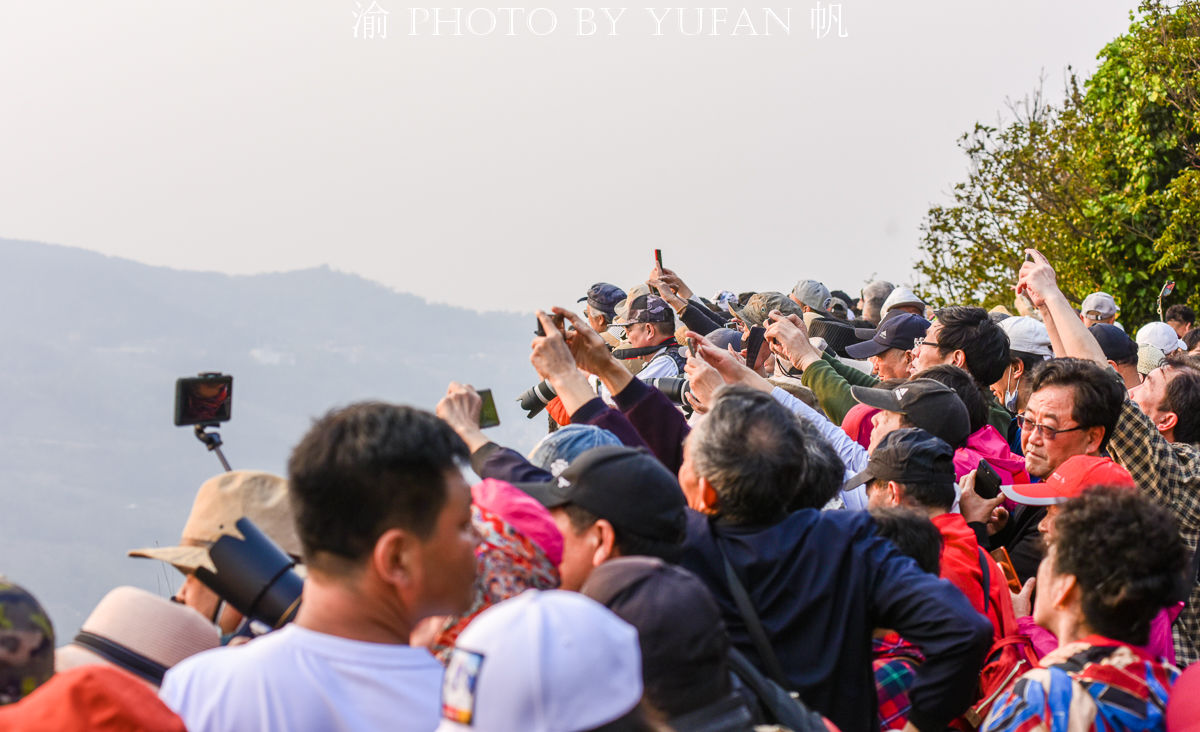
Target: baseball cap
<point>683,640</point>
<point>139,632</point>
<point>543,661</point>
<point>565,444</point>
<point>900,296</point>
<point>1116,343</point>
<point>1027,335</point>
<point>220,502</point>
<point>1075,475</point>
<point>928,404</point>
<point>898,331</point>
<point>1149,358</point>
<point>908,455</point>
<point>761,304</point>
<point>1161,336</point>
<point>604,297</point>
<point>28,637</point>
<point>629,488</point>
<point>1099,305</point>
<point>813,294</point>
<point>644,309</point>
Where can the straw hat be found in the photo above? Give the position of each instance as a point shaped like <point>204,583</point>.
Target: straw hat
<point>138,632</point>
<point>221,501</point>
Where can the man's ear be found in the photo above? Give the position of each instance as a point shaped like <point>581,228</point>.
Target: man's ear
<point>895,493</point>
<point>606,542</point>
<point>396,558</point>
<point>709,501</point>
<point>1095,437</point>
<point>959,359</point>
<point>1168,422</point>
<point>1066,592</point>
<point>1018,370</point>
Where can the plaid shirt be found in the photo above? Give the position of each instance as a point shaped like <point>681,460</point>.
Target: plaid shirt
<point>895,664</point>
<point>1169,473</point>
<point>1093,685</point>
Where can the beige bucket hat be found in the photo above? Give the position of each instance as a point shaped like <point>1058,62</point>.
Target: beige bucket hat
<point>139,632</point>
<point>221,501</point>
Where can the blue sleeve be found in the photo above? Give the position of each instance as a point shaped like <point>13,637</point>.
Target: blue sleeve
<point>935,616</point>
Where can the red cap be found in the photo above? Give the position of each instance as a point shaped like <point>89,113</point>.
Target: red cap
<point>1072,477</point>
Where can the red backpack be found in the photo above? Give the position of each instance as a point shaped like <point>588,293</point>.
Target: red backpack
<point>1007,659</point>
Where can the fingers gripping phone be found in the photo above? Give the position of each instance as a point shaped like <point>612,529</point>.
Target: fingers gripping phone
<point>987,481</point>
<point>754,344</point>
<point>558,323</point>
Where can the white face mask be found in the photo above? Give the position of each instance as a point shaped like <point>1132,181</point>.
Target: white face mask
<point>1010,397</point>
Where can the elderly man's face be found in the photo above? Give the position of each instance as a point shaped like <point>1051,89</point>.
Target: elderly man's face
<point>1051,406</point>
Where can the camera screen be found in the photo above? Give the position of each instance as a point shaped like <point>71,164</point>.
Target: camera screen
<point>203,399</point>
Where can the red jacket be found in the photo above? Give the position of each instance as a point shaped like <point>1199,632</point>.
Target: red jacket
<point>960,565</point>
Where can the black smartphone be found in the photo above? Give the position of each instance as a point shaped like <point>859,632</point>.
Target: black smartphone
<point>203,399</point>
<point>558,323</point>
<point>754,344</point>
<point>987,481</point>
<point>658,258</point>
<point>488,416</point>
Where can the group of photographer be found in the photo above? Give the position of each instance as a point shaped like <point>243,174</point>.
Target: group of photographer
<point>801,511</point>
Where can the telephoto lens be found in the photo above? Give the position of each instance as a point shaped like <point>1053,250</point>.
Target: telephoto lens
<point>676,389</point>
<point>535,398</point>
<point>254,575</point>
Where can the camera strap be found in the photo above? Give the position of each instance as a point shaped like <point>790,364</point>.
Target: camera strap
<point>125,658</point>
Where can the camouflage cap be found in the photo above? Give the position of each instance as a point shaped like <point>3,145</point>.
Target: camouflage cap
<point>761,304</point>
<point>26,643</point>
<point>644,309</point>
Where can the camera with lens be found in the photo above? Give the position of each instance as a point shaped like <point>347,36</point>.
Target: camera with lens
<point>676,388</point>
<point>534,399</point>
<point>254,575</point>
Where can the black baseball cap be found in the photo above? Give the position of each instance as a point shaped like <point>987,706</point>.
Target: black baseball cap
<point>909,455</point>
<point>898,331</point>
<point>629,488</point>
<point>604,298</point>
<point>928,404</point>
<point>684,643</point>
<point>1116,343</point>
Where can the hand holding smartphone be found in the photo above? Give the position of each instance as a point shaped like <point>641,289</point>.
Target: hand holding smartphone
<point>987,481</point>
<point>488,416</point>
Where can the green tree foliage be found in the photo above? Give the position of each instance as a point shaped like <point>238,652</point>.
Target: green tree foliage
<point>1105,182</point>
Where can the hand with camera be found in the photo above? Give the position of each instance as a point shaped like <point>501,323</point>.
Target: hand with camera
<point>592,353</point>
<point>552,359</point>
<point>728,364</point>
<point>788,337</point>
<point>977,509</point>
<point>460,409</point>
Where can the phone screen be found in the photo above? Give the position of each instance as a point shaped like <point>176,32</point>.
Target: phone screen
<point>203,399</point>
<point>488,417</point>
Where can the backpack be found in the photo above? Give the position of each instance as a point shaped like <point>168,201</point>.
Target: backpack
<point>1007,660</point>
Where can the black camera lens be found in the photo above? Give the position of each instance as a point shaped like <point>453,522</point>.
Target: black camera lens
<point>254,575</point>
<point>534,399</point>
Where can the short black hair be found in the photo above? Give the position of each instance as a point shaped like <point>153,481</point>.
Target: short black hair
<point>366,468</point>
<point>912,533</point>
<point>752,450</point>
<point>1191,338</point>
<point>983,343</point>
<point>1127,557</point>
<point>1181,313</point>
<point>1099,393</point>
<point>1183,396</point>
<point>924,495</point>
<point>965,386</point>
<point>824,472</point>
<point>627,543</point>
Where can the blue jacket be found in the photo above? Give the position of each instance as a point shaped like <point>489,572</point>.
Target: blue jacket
<point>821,582</point>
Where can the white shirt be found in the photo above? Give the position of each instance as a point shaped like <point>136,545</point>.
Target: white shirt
<point>297,679</point>
<point>853,455</point>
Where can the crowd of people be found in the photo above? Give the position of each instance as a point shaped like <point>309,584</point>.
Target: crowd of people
<point>764,511</point>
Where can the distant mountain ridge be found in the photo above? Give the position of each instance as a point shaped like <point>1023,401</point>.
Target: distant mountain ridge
<point>91,464</point>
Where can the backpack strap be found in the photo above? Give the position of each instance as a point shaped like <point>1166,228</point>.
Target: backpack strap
<point>987,578</point>
<point>754,627</point>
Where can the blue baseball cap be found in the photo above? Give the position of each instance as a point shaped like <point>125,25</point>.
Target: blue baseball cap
<point>603,298</point>
<point>898,331</point>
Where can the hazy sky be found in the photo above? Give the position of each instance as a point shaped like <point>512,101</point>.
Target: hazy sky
<point>510,171</point>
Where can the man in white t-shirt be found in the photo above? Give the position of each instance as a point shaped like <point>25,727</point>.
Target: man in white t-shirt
<point>384,518</point>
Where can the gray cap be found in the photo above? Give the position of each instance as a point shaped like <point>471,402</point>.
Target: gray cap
<point>813,294</point>
<point>1098,306</point>
<point>1027,335</point>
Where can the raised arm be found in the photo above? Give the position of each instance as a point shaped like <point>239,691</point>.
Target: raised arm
<point>1068,334</point>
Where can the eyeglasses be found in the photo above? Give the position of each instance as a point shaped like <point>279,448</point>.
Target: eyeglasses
<point>918,342</point>
<point>1048,433</point>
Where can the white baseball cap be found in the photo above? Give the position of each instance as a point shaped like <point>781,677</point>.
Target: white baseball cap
<point>1027,335</point>
<point>900,296</point>
<point>543,661</point>
<point>1161,336</point>
<point>1098,306</point>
